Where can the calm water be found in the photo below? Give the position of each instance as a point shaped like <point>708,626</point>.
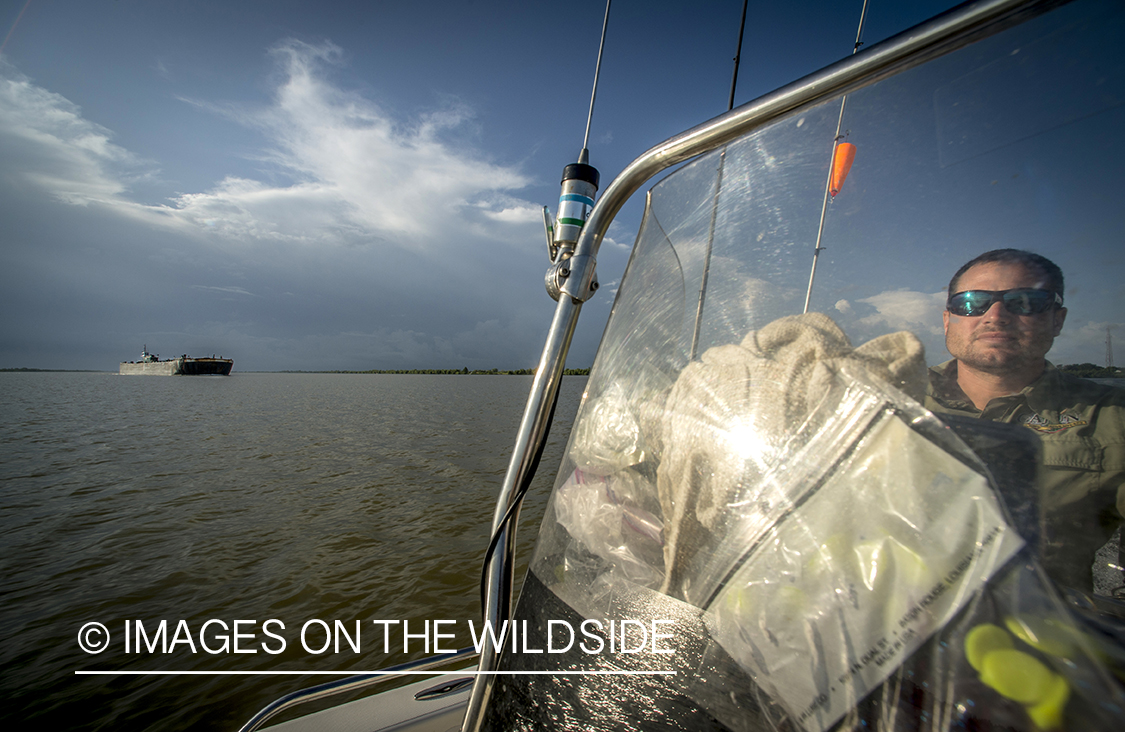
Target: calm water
<point>258,496</point>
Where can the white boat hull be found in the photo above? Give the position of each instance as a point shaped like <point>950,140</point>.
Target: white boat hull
<point>396,710</point>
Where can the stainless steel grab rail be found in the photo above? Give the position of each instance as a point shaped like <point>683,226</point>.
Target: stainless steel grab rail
<point>944,33</point>
<point>351,683</point>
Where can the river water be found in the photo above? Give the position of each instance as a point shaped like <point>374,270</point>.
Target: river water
<point>289,497</point>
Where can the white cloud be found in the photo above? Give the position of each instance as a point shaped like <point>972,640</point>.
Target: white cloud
<point>47,143</point>
<point>905,310</point>
<point>360,172</point>
<point>896,310</point>
<point>242,209</point>
<point>352,173</point>
<point>509,210</point>
<point>229,290</point>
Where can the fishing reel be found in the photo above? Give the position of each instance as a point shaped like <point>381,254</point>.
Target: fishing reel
<point>569,274</point>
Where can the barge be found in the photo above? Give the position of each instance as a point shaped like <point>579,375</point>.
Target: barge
<point>152,365</point>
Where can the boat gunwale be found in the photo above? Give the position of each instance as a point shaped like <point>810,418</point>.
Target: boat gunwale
<point>357,682</point>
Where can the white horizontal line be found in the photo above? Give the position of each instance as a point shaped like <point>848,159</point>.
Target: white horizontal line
<point>374,673</point>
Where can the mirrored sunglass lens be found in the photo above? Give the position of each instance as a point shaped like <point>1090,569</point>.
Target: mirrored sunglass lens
<point>971,303</point>
<point>1018,303</point>
<point>1025,302</point>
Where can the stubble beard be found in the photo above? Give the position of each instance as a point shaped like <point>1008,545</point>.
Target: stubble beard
<point>1006,359</point>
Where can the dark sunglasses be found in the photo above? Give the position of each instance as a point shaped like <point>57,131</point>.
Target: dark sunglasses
<point>1024,301</point>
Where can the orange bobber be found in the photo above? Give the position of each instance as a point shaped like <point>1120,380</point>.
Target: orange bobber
<point>842,159</point>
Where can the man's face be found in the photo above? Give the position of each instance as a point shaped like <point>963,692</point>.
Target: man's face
<point>1000,342</point>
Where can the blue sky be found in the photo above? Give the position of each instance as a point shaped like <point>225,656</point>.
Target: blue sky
<point>355,185</point>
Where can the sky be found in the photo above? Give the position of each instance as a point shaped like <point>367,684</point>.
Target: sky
<point>343,185</point>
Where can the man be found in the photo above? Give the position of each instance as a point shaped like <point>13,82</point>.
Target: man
<point>1003,312</point>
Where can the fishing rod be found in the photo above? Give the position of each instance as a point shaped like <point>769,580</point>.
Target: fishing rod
<point>846,152</point>
<point>715,198</point>
<point>737,56</point>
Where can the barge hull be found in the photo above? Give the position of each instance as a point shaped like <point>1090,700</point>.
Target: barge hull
<point>179,367</point>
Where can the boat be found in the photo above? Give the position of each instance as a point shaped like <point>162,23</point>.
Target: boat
<point>756,524</point>
<point>153,365</point>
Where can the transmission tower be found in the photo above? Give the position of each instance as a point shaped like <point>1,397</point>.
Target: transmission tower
<point>1108,348</point>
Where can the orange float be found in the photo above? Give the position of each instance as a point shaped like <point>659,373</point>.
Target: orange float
<point>842,158</point>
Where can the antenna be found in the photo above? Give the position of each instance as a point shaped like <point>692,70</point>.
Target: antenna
<point>579,186</point>
<point>1108,347</point>
<point>584,156</point>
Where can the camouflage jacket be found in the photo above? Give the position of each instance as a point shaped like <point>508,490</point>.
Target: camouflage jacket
<point>1081,425</point>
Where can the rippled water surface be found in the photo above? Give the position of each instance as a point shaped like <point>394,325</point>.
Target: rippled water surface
<point>257,496</point>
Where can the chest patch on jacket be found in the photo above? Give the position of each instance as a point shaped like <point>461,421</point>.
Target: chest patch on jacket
<point>1046,427</point>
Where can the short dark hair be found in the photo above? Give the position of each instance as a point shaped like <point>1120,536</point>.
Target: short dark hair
<point>1037,262</point>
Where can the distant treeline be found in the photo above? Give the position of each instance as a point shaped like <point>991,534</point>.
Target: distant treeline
<point>68,371</point>
<point>1090,371</point>
<point>451,372</point>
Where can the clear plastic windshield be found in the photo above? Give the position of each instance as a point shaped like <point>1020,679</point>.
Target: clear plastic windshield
<point>858,541</point>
